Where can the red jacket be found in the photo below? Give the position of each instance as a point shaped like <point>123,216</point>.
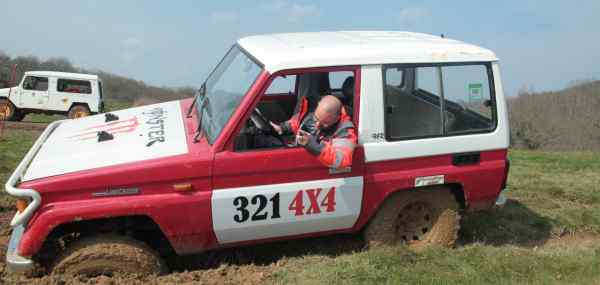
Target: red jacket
<point>333,148</point>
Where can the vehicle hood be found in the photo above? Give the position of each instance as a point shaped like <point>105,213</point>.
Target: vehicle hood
<point>142,133</point>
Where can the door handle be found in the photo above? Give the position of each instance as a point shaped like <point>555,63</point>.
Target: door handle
<point>466,158</point>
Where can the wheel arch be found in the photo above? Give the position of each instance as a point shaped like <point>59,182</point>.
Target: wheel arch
<point>138,227</point>
<point>73,104</point>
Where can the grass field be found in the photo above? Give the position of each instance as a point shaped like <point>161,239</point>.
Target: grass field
<point>548,233</point>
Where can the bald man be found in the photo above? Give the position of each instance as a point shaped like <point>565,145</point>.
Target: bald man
<point>328,133</point>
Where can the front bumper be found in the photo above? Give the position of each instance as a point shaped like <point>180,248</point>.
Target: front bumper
<point>15,262</point>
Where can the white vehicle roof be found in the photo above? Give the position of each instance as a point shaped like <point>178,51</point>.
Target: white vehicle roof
<point>63,75</point>
<point>314,49</point>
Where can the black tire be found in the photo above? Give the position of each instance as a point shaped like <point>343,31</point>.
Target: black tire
<point>418,219</point>
<point>20,115</point>
<point>108,255</point>
<point>78,111</point>
<point>8,111</point>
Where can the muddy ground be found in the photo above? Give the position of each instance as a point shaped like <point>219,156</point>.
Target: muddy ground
<point>247,265</point>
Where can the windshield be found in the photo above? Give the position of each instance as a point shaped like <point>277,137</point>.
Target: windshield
<point>225,88</point>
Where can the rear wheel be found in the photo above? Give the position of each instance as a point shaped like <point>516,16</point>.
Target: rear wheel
<point>7,110</point>
<point>108,255</point>
<point>417,219</point>
<point>78,111</point>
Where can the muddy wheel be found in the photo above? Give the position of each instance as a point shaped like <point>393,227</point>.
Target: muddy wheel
<point>108,255</point>
<point>418,219</point>
<point>7,110</point>
<point>78,111</point>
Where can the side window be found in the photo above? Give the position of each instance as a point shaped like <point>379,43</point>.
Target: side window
<point>393,76</point>
<point>342,86</point>
<point>35,83</point>
<point>337,78</point>
<point>467,94</point>
<point>428,80</point>
<point>434,101</point>
<point>74,86</point>
<point>412,113</point>
<point>282,85</point>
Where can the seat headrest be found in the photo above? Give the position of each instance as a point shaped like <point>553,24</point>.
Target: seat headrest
<point>348,87</point>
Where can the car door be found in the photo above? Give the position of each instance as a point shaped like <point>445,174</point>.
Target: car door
<point>34,94</point>
<point>282,192</point>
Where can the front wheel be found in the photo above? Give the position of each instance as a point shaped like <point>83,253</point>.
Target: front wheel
<point>8,111</point>
<point>78,111</point>
<point>418,219</point>
<point>108,255</point>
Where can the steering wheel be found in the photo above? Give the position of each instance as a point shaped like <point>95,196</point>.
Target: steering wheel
<point>263,124</point>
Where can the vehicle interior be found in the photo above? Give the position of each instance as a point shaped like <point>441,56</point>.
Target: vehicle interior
<point>283,99</point>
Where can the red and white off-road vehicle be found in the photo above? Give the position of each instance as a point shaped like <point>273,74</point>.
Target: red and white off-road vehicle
<point>119,191</point>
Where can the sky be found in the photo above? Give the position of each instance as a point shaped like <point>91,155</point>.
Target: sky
<point>542,45</point>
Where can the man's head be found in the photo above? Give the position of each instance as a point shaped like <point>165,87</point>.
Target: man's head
<point>328,112</point>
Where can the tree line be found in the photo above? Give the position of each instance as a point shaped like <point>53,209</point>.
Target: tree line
<point>562,120</point>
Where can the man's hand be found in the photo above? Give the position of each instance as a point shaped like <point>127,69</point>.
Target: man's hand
<point>276,127</point>
<point>303,138</point>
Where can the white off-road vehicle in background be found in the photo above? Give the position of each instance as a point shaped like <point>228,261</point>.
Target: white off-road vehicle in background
<point>73,94</point>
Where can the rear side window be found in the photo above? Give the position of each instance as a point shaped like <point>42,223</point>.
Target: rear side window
<point>438,100</point>
<point>467,92</point>
<point>35,83</point>
<point>74,86</point>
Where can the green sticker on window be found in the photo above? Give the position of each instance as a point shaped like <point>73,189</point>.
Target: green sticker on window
<point>475,92</point>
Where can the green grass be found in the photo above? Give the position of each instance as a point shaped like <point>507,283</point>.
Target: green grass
<point>14,144</point>
<point>114,105</point>
<point>473,264</point>
<point>564,187</point>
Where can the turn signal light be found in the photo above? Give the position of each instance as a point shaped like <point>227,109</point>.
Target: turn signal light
<point>183,187</point>
<point>21,205</point>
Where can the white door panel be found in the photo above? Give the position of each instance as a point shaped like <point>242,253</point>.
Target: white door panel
<point>33,99</point>
<point>269,211</point>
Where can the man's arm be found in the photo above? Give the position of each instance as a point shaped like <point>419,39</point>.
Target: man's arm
<point>334,154</point>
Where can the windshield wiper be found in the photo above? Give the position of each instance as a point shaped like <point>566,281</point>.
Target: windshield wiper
<point>198,134</point>
<point>199,93</point>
